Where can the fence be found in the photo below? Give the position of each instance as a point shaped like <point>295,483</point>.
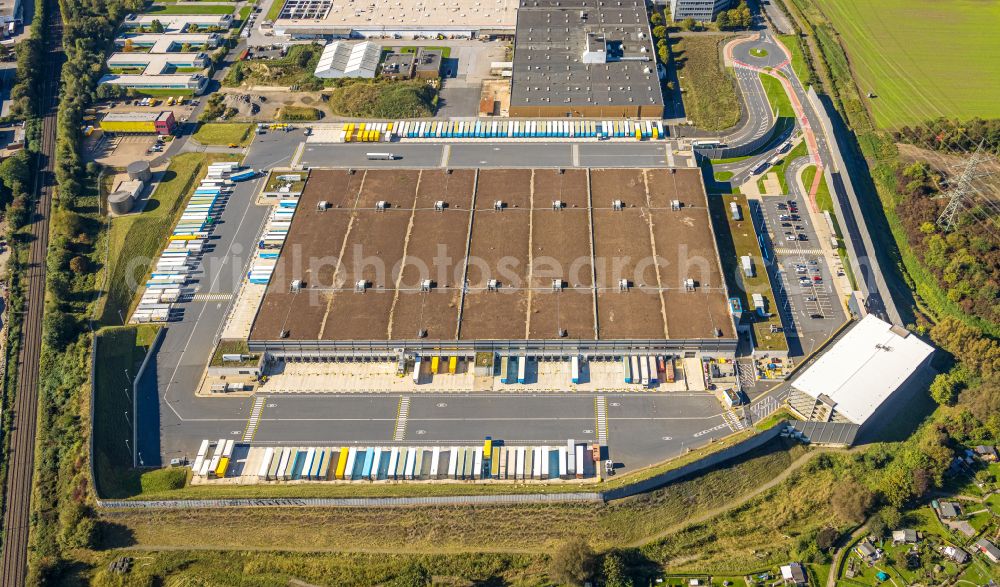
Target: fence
<point>649,484</point>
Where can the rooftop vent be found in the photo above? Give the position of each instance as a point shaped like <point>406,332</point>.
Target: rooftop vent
<point>361,286</point>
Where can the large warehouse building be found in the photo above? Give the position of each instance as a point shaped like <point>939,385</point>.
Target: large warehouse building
<point>584,58</point>
<point>862,376</point>
<point>388,18</point>
<point>544,262</point>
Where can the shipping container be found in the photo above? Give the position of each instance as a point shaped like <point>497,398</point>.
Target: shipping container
<point>579,461</point>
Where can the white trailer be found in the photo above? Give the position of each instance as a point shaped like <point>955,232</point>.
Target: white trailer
<point>411,459</point>
<point>435,462</point>
<point>520,462</point>
<point>563,468</point>
<point>570,457</point>
<point>352,455</point>
<point>512,463</point>
<point>393,460</point>
<point>477,463</point>
<point>452,462</point>
<point>644,371</point>
<point>579,461</point>
<point>545,462</point>
<point>265,464</point>
<point>283,464</point>
<point>376,460</point>
<point>634,363</point>
<point>536,463</point>
<point>307,465</point>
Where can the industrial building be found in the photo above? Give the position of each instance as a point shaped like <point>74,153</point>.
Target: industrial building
<point>862,375</point>
<point>165,61</point>
<point>422,63</point>
<point>701,10</point>
<point>546,262</point>
<point>161,123</point>
<point>585,58</point>
<point>344,59</point>
<point>396,18</point>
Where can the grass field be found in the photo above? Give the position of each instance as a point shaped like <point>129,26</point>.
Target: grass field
<point>299,113</point>
<point>223,133</point>
<point>799,65</point>
<point>922,58</point>
<point>275,10</point>
<point>710,98</point>
<point>117,349</point>
<point>505,528</point>
<point>135,239</point>
<point>189,9</point>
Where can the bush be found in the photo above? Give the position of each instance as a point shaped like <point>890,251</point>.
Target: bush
<point>573,562</point>
<point>384,99</point>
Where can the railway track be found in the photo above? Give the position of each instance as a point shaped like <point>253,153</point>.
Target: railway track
<point>21,458</point>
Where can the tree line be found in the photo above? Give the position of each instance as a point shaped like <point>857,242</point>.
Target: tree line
<point>953,135</point>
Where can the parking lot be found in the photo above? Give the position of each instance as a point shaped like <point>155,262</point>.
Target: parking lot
<point>640,429</point>
<point>802,278</point>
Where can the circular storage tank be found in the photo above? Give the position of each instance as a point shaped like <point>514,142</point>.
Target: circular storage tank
<point>121,202</point>
<point>140,170</point>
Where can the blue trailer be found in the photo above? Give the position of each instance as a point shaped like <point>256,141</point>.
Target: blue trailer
<point>243,175</point>
<point>366,470</point>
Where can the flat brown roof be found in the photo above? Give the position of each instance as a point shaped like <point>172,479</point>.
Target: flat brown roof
<point>532,269</point>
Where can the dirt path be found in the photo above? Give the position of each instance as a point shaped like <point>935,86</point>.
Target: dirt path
<point>831,578</point>
<point>714,512</point>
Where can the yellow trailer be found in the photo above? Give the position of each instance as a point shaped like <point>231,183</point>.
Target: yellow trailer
<point>361,126</point>
<point>656,133</point>
<point>435,364</point>
<point>495,463</point>
<point>452,364</point>
<point>487,447</point>
<point>342,463</point>
<point>349,127</point>
<point>220,471</point>
<point>638,135</point>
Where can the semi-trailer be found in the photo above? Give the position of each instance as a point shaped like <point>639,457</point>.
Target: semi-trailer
<point>529,462</point>
<point>319,464</point>
<point>200,458</point>
<point>536,463</point>
<point>651,361</point>
<point>512,462</point>
<point>546,457</point>
<point>468,465</point>
<point>341,463</point>
<point>579,461</point>
<point>522,369</point>
<point>626,370</point>
<point>644,371</point>
<point>495,463</point>
<point>376,462</point>
<point>519,464</point>
<point>265,464</point>
<point>352,456</point>
<point>575,369</point>
<point>366,467</point>
<point>272,469</point>
<point>286,454</point>
<point>296,468</point>
<point>563,463</point>
<point>411,462</point>
<point>477,463</point>
<point>393,461</point>
<point>416,370</point>
<point>401,465</point>
<point>570,457</point>
<point>418,464</point>
<point>452,462</point>
<point>435,462</point>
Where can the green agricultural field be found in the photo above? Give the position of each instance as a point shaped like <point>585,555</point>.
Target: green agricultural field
<point>922,58</point>
<point>188,9</point>
<point>223,133</point>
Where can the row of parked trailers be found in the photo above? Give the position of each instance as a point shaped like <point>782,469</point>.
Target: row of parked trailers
<point>213,460</point>
<point>269,246</point>
<point>463,463</point>
<point>648,370</point>
<point>491,129</point>
<point>174,268</point>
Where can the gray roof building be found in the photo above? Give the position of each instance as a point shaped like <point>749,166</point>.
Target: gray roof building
<point>584,58</point>
<point>989,549</point>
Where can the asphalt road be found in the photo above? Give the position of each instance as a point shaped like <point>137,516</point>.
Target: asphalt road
<point>590,154</point>
<point>642,428</point>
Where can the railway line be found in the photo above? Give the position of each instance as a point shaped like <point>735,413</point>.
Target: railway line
<point>21,458</point>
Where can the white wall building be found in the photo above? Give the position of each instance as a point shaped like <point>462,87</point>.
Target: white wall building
<point>345,59</point>
<point>860,373</point>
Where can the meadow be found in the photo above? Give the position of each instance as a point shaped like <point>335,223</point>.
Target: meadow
<point>922,58</point>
